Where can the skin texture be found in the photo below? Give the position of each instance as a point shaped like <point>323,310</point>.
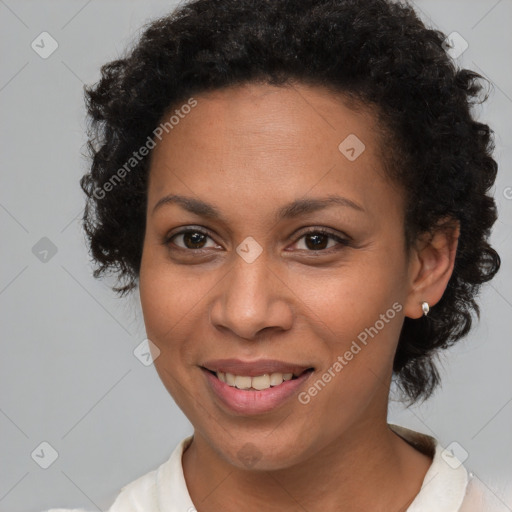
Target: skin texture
<point>249,150</point>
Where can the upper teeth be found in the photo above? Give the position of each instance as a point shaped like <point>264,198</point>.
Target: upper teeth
<point>260,382</point>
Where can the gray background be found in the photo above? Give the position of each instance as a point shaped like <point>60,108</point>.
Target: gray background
<point>68,375</point>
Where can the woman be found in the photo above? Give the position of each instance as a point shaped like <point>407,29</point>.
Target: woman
<point>300,193</point>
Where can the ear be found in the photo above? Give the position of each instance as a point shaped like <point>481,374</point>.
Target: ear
<point>431,264</point>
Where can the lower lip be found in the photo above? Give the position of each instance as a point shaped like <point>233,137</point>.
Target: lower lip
<point>255,402</point>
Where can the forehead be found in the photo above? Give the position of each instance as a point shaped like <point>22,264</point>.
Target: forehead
<point>255,139</point>
<point>253,112</point>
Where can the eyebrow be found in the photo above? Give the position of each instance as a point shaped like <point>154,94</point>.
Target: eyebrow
<point>294,209</point>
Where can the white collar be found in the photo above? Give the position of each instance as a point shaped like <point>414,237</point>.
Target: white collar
<point>165,490</point>
<point>446,480</point>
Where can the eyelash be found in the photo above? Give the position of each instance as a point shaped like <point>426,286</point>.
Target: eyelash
<point>345,242</point>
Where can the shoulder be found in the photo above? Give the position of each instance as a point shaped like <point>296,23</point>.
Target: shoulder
<point>447,485</point>
<point>152,491</point>
<point>161,489</point>
<point>66,510</point>
<point>137,496</point>
<point>482,497</point>
<point>445,482</point>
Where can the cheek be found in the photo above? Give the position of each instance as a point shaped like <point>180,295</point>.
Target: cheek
<point>351,298</point>
<point>172,299</point>
<point>156,302</point>
<point>358,314</point>
<point>168,295</point>
<point>167,305</point>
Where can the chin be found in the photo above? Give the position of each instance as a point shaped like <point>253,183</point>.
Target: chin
<point>261,454</point>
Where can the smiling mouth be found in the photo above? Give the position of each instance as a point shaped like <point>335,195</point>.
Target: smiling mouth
<point>256,383</point>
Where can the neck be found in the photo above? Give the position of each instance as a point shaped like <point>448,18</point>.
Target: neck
<point>368,467</point>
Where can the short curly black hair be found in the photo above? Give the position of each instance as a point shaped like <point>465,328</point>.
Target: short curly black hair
<point>378,54</point>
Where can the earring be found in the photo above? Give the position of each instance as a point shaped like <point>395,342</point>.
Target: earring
<point>425,307</point>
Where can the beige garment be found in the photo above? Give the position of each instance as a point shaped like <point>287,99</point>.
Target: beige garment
<point>447,486</point>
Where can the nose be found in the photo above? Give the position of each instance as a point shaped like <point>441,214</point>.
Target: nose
<point>251,298</point>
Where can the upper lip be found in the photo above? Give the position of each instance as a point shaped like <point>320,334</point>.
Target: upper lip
<point>254,368</point>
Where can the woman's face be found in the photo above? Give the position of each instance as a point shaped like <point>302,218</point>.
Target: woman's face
<point>260,168</point>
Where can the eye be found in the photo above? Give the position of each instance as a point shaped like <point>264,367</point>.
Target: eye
<point>315,240</point>
<point>318,239</point>
<point>191,239</point>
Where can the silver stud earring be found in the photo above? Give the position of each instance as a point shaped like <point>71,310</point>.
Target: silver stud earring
<point>425,307</point>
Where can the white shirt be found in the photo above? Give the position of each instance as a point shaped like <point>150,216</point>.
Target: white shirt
<point>447,486</point>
